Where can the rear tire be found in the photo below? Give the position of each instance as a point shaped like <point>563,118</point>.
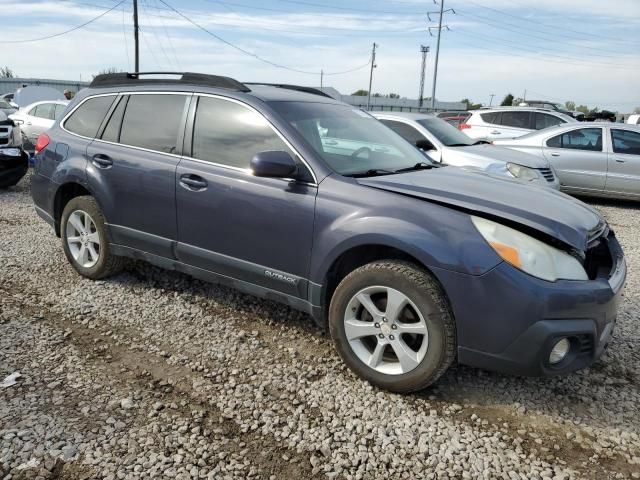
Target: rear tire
<point>391,324</point>
<point>84,239</point>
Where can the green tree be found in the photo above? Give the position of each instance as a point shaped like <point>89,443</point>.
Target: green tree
<point>507,101</point>
<point>569,105</point>
<point>361,93</point>
<point>470,104</point>
<point>583,109</point>
<point>6,72</point>
<point>394,95</point>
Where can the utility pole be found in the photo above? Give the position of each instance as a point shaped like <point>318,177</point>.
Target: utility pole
<point>321,75</point>
<point>423,69</point>
<point>435,68</point>
<point>491,100</point>
<point>135,35</point>
<point>373,65</point>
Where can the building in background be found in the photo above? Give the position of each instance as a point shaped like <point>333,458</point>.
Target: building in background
<point>9,85</point>
<point>392,104</point>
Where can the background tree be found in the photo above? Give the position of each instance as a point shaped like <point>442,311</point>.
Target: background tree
<point>394,95</point>
<point>470,105</point>
<point>569,105</point>
<point>361,93</point>
<point>108,70</point>
<point>507,101</point>
<point>6,72</point>
<point>636,110</point>
<point>583,109</point>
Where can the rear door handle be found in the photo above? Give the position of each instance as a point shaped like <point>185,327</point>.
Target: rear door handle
<point>555,154</point>
<point>619,160</point>
<point>102,161</point>
<point>496,132</point>
<point>192,182</point>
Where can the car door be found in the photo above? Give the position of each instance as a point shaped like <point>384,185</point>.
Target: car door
<point>255,230</point>
<point>624,162</point>
<point>132,167</point>
<point>579,158</point>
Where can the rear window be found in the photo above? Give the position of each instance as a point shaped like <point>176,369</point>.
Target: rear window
<point>492,117</point>
<point>153,121</point>
<point>544,120</point>
<point>86,119</point>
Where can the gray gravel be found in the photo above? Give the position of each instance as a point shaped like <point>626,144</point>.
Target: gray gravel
<point>153,374</point>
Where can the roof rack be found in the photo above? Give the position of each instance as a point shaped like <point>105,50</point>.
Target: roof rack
<point>298,88</point>
<point>187,78</point>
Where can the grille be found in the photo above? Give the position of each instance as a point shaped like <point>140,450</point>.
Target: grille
<point>547,173</point>
<point>4,141</point>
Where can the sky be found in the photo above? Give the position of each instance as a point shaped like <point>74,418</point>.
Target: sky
<point>586,51</point>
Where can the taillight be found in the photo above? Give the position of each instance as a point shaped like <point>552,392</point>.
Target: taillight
<point>463,126</point>
<point>43,141</point>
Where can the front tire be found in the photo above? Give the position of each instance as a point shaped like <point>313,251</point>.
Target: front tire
<point>84,239</point>
<point>392,325</point>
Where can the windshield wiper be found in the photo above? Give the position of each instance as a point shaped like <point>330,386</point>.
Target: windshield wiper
<point>417,166</point>
<point>372,172</point>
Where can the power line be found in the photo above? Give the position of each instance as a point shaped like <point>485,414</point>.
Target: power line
<point>246,52</point>
<point>173,50</point>
<point>154,32</point>
<point>564,28</point>
<point>349,9</point>
<point>77,27</point>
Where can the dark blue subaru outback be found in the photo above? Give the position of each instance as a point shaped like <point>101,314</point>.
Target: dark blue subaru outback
<point>284,193</point>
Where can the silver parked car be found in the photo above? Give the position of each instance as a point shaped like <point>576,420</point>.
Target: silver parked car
<point>600,159</point>
<point>37,117</point>
<point>444,143</point>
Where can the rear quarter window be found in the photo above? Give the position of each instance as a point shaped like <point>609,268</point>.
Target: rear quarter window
<point>492,117</point>
<point>86,119</point>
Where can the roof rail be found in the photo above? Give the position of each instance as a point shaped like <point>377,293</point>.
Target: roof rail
<point>188,78</point>
<point>299,88</point>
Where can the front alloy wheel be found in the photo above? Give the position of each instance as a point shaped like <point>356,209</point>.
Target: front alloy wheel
<point>392,325</point>
<point>386,330</point>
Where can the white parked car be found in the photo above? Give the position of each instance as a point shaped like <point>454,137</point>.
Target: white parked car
<point>634,119</point>
<point>37,117</point>
<point>510,122</point>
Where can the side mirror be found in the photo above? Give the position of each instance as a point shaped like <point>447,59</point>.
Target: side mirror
<point>17,122</point>
<point>424,144</point>
<point>274,164</point>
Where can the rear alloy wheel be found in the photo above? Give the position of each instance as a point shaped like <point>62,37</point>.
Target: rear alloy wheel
<point>392,325</point>
<point>84,239</point>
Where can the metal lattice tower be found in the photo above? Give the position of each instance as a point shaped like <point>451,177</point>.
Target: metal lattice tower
<point>424,50</point>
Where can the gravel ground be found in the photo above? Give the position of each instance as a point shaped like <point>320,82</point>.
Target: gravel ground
<point>152,374</point>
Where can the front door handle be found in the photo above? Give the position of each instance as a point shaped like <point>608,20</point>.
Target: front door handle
<point>619,160</point>
<point>102,161</point>
<point>555,154</point>
<point>496,132</point>
<point>192,182</point>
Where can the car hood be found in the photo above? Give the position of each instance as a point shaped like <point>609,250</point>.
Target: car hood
<point>545,210</point>
<point>487,154</point>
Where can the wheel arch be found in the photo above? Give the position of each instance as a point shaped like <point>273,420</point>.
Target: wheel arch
<point>356,256</point>
<point>64,194</point>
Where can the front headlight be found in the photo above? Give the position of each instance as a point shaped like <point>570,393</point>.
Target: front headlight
<point>523,173</point>
<point>528,254</point>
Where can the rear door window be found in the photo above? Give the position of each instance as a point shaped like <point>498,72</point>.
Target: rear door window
<point>59,110</point>
<point>589,139</point>
<point>153,121</point>
<point>515,119</point>
<point>44,110</point>
<point>86,119</point>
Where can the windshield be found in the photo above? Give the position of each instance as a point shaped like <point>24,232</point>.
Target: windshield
<point>351,141</point>
<point>5,105</point>
<point>446,133</point>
